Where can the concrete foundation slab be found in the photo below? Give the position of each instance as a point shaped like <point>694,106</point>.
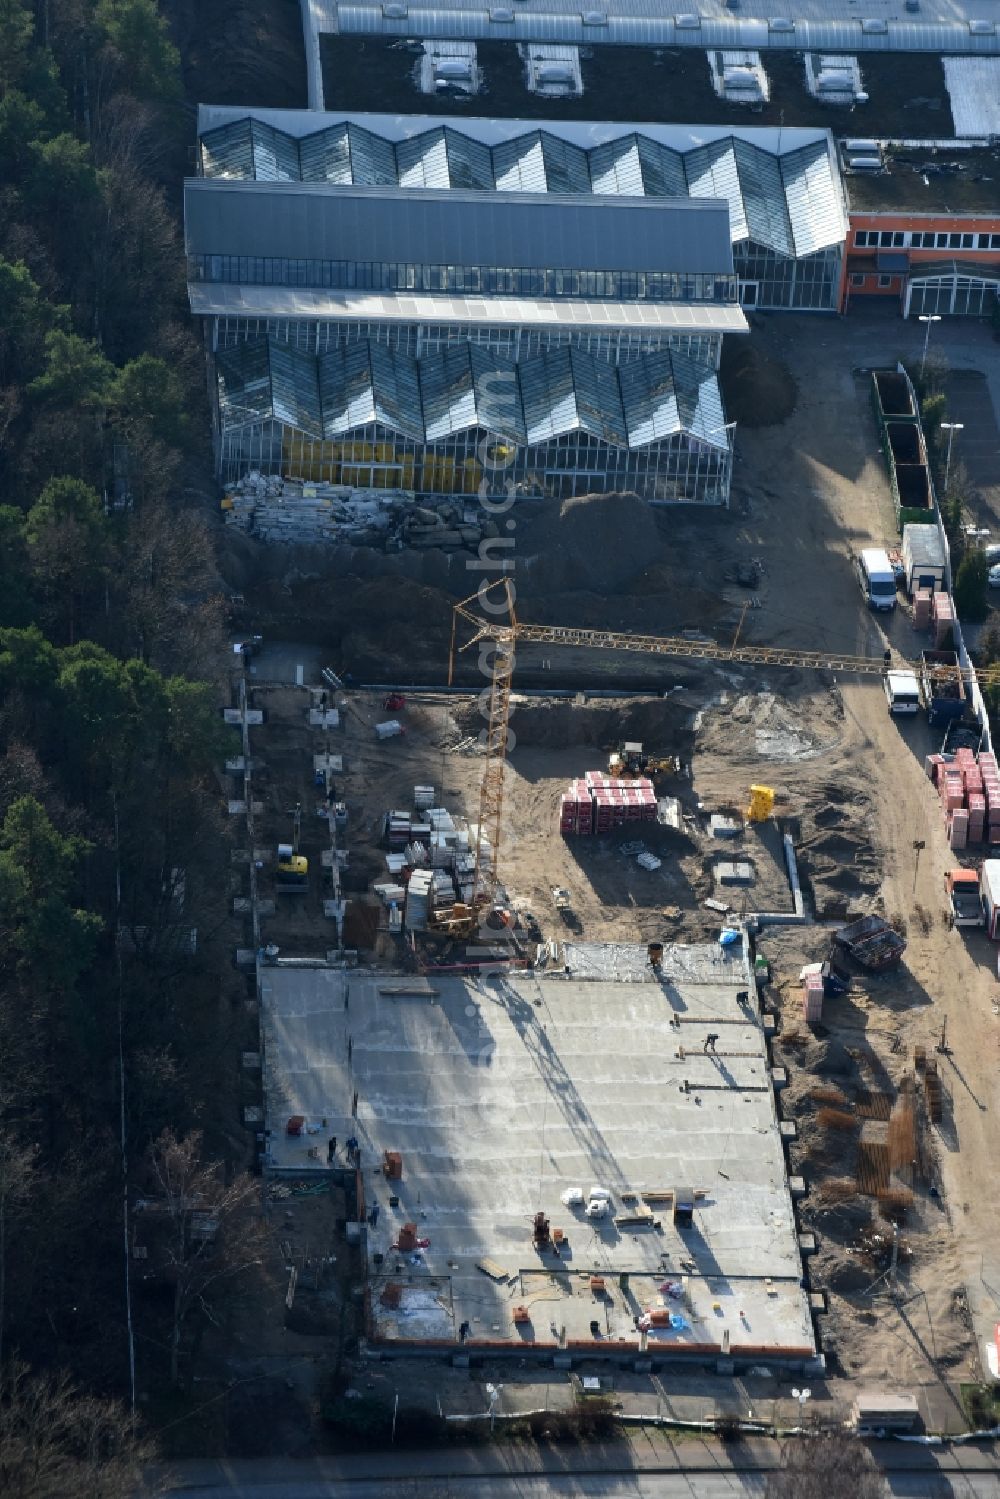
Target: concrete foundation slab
<point>500,1093</point>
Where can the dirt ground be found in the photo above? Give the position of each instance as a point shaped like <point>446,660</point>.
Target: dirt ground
<point>850,786</point>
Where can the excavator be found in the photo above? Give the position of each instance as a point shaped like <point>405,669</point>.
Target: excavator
<point>629,762</point>
<point>291,875</point>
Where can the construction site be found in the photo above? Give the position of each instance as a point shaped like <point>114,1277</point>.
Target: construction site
<point>609,1002</point>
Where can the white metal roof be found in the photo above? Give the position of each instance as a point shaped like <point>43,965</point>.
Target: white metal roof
<point>222,299</point>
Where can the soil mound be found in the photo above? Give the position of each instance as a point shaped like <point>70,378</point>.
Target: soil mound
<point>757,389</point>
<point>594,541</point>
<point>661,724</point>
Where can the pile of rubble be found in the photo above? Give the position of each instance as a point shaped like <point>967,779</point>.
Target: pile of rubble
<point>276,509</point>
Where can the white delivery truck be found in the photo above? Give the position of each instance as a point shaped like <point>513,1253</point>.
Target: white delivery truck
<point>902,691</point>
<point>877,579</point>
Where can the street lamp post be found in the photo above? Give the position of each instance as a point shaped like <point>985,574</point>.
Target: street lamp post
<point>928,318</point>
<point>951,428</point>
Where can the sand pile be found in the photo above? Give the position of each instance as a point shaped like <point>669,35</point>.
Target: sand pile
<point>598,542</point>
<point>757,390</point>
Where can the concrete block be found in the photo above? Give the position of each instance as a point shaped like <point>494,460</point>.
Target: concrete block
<point>779,1078</point>
<point>251,1060</point>
<point>265,908</point>
<point>724,827</point>
<point>237,808</point>
<point>735,872</point>
<point>807,1243</point>
<point>797,1187</point>
<point>246,957</point>
<point>253,1114</point>
<point>725,1366</point>
<point>815,1366</point>
<point>460,1361</point>
<point>562,1361</point>
<point>789,1129</point>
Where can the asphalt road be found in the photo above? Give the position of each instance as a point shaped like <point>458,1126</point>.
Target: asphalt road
<point>304,1481</point>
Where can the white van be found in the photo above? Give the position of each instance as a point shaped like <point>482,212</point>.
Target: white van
<point>902,691</point>
<point>877,579</point>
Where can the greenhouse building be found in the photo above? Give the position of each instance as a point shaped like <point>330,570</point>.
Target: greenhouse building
<point>558,423</point>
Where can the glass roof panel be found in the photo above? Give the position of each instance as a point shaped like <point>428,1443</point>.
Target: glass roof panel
<point>228,151</point>
<point>326,156</point>
<point>812,198</point>
<point>295,388</point>
<point>373,160</point>
<point>519,165</point>
<point>763,197</point>
<point>275,154</point>
<point>244,377</point>
<point>711,173</point>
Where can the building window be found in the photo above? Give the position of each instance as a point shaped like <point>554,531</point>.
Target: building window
<point>857,279</point>
<point>954,241</point>
<point>885,282</point>
<point>885,239</point>
<point>861,239</point>
<point>967,241</point>
<point>941,241</point>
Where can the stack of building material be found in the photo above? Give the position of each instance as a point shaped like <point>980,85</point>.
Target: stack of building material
<point>576,810</point>
<point>991,795</point>
<point>812,998</point>
<point>398,829</point>
<point>443,849</point>
<point>600,803</point>
<point>388,893</point>
<point>418,900</point>
<point>943,616</point>
<point>922,605</point>
<point>442,889</point>
<point>969,789</point>
<point>423,798</point>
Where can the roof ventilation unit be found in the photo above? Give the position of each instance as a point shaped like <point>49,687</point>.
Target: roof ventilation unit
<point>739,77</point>
<point>552,72</point>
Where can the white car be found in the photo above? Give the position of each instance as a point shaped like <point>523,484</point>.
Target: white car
<point>994,576</point>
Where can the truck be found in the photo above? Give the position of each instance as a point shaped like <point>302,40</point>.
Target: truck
<point>902,691</point>
<point>924,563</point>
<point>965,901</point>
<point>989,889</point>
<point>942,686</point>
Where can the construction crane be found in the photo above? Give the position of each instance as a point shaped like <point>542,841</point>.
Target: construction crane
<point>493,619</point>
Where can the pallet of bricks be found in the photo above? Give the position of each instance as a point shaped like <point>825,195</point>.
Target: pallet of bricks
<point>598,803</point>
<point>969,788</point>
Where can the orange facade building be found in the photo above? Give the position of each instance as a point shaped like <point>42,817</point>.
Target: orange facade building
<point>925,230</point>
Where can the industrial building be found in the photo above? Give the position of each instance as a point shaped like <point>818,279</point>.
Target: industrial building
<point>924,227</point>
<point>493,1114</point>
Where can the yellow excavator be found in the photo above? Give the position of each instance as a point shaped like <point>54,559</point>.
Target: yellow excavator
<point>291,874</point>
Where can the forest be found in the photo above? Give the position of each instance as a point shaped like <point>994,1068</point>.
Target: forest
<point>113,850</point>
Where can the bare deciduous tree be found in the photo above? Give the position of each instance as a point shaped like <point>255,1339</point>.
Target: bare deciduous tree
<point>213,1236</point>
<point>831,1466</point>
<point>56,1443</point>
<point>17,1166</point>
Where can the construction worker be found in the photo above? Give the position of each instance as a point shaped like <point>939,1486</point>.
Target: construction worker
<point>710,1040</point>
